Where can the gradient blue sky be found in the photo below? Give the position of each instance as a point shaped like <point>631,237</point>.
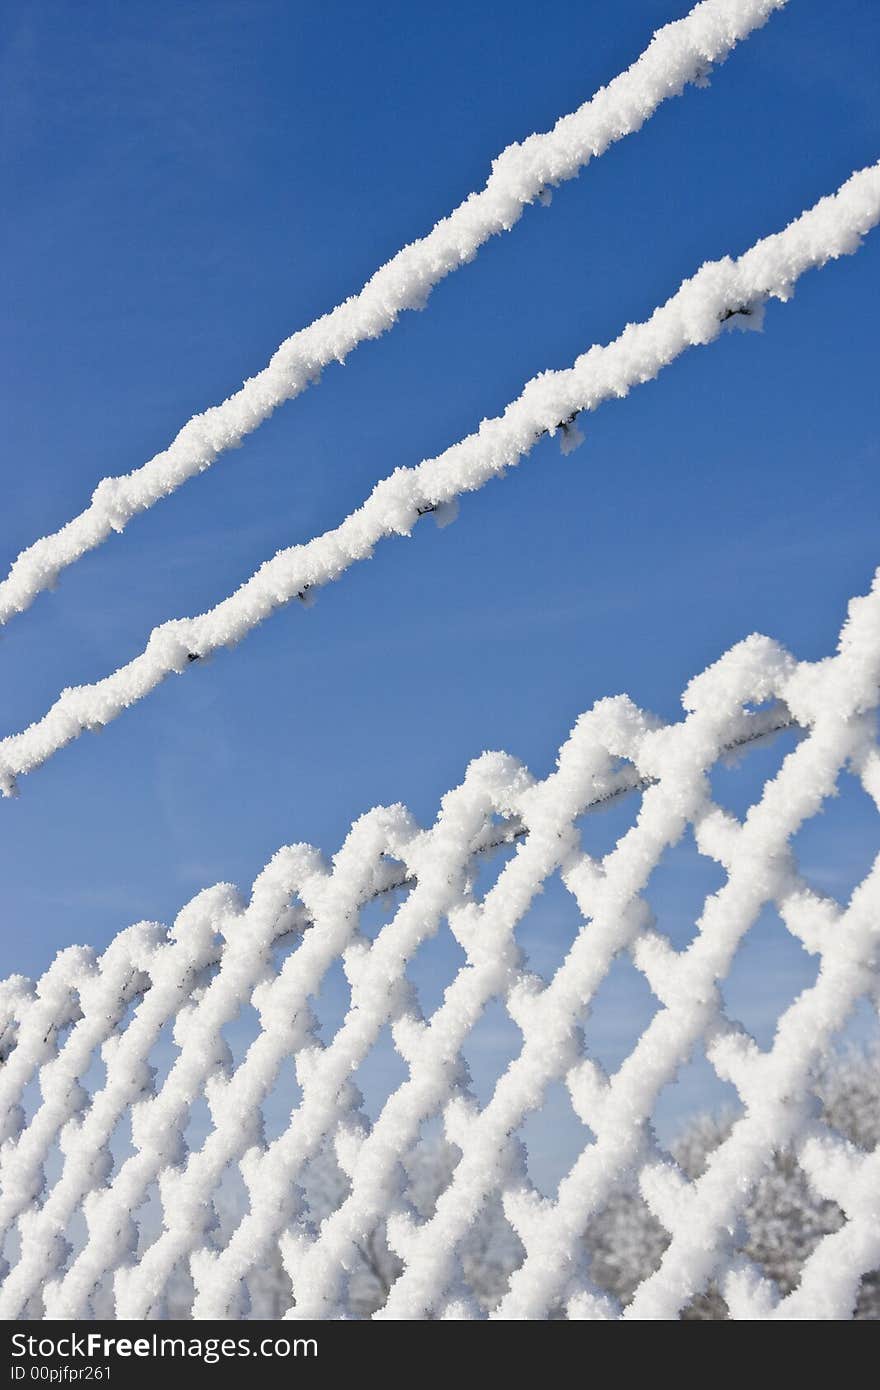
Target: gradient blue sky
<point>186,184</point>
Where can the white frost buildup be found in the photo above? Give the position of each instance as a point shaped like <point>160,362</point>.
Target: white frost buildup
<point>307,1234</point>
<point>720,292</point>
<point>678,54</point>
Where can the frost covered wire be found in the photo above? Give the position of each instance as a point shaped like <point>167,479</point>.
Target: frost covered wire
<point>721,291</point>
<point>679,53</point>
<point>218,959</point>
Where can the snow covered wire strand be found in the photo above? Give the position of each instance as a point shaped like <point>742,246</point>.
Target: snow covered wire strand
<point>721,292</point>
<point>679,53</point>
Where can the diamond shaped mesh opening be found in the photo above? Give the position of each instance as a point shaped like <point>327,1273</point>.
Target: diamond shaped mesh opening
<point>491,1046</point>
<point>380,1074</point>
<point>436,963</point>
<point>619,1013</point>
<point>836,849</point>
<point>770,969</point>
<point>546,931</point>
<point>738,779</point>
<point>553,1137</point>
<point>678,889</point>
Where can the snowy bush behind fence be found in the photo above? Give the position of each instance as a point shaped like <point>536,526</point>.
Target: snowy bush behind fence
<point>115,1199</point>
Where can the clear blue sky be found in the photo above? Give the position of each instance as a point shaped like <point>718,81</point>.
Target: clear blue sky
<point>185,185</point>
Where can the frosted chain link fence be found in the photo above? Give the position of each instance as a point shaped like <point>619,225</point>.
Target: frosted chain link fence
<point>70,1200</point>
